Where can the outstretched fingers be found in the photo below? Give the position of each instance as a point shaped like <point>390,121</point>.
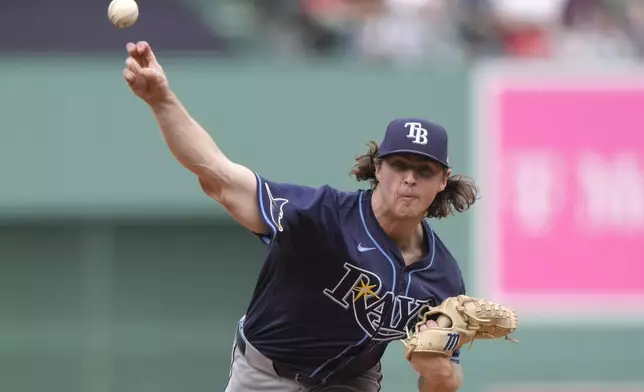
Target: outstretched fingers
<point>144,50</point>
<point>132,69</point>
<point>133,65</point>
<point>142,53</point>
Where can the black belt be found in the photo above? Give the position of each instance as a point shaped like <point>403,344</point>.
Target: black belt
<point>281,369</point>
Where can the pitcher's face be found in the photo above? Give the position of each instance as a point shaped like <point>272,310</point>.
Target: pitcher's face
<point>409,183</point>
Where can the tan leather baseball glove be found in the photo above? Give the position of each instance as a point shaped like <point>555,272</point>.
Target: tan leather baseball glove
<point>460,320</point>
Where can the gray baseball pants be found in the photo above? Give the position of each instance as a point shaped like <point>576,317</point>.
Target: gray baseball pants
<point>254,372</point>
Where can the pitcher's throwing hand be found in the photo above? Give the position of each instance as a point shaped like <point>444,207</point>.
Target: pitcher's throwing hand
<point>143,73</point>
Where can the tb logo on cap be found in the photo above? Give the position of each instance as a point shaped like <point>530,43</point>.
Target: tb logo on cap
<point>417,132</point>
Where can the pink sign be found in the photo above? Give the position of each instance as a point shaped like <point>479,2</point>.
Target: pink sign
<point>567,387</point>
<point>561,167</point>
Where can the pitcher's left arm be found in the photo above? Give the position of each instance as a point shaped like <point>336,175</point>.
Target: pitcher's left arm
<point>440,374</point>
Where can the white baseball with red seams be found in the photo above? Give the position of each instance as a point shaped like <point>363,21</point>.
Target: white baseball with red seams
<point>123,13</point>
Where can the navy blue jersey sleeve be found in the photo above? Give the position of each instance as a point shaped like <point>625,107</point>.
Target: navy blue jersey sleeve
<point>295,211</point>
<point>456,357</point>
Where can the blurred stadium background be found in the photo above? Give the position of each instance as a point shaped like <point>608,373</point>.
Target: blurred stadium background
<point>119,275</point>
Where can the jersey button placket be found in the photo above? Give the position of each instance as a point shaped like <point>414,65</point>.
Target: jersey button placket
<point>401,284</point>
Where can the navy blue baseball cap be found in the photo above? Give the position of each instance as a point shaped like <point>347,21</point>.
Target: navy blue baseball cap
<point>415,136</point>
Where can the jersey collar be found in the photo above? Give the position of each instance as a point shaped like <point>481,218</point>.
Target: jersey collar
<point>387,244</point>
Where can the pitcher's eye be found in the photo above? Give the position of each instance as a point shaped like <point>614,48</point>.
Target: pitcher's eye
<point>400,166</point>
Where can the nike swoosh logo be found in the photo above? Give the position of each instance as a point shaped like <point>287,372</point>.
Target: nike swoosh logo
<point>363,249</point>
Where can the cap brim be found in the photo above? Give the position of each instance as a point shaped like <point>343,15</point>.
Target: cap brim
<point>413,152</point>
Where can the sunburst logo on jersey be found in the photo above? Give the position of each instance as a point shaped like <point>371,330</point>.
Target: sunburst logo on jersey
<point>381,316</point>
<point>364,290</point>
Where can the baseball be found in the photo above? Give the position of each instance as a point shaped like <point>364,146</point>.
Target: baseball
<point>123,13</point>
<point>443,321</point>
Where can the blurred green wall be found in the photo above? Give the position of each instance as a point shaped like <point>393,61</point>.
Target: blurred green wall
<point>118,274</point>
<point>77,141</point>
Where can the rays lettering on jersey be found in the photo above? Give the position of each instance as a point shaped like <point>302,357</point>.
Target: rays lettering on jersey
<point>383,316</point>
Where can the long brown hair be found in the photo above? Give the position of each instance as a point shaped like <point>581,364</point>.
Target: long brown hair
<point>459,193</point>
